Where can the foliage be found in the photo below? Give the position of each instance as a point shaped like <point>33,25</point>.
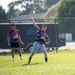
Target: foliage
<point>26,7</point>
<point>66,12</point>
<point>12,12</point>
<point>3,14</point>
<point>29,7</point>
<point>49,3</point>
<point>66,9</point>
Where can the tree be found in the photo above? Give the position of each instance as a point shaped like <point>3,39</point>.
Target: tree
<point>49,3</point>
<point>29,6</point>
<point>12,12</point>
<point>3,14</point>
<point>26,7</point>
<point>66,9</point>
<point>66,12</point>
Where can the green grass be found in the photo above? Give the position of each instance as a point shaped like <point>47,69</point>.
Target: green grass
<point>61,63</point>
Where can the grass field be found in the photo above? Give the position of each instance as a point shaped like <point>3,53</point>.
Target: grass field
<point>61,63</point>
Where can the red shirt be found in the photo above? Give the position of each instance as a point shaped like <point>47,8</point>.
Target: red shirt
<point>13,34</point>
<point>41,37</point>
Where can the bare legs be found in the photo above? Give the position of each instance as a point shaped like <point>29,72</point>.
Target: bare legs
<point>20,53</point>
<point>45,56</point>
<point>13,52</point>
<point>30,57</point>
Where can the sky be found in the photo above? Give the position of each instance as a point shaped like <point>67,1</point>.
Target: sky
<point>4,3</point>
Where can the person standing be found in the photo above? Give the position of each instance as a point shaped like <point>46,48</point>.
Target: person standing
<point>14,40</point>
<point>41,39</point>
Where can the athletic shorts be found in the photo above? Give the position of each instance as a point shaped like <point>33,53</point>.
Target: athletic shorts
<point>15,45</point>
<point>37,46</point>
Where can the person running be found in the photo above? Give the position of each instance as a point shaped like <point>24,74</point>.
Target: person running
<point>41,39</point>
<point>14,40</point>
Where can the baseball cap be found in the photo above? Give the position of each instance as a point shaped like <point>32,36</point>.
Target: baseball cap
<point>13,24</point>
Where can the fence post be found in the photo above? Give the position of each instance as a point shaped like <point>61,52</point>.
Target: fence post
<point>56,32</point>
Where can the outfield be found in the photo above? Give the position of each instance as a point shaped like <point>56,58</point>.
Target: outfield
<point>61,63</point>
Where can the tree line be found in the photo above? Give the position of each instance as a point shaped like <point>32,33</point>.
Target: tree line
<point>21,7</point>
<point>66,17</point>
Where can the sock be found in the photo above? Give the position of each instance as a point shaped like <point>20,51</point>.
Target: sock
<point>29,60</point>
<point>20,58</point>
<point>12,58</point>
<point>46,59</point>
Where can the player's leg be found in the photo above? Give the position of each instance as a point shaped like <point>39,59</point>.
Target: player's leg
<point>20,53</point>
<point>35,48</point>
<point>30,57</point>
<point>43,49</point>
<point>12,52</point>
<point>45,55</point>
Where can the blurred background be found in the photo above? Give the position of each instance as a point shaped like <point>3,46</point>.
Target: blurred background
<point>61,12</point>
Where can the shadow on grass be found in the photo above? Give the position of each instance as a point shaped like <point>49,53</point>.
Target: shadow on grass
<point>31,64</point>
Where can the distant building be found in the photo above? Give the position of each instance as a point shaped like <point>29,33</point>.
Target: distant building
<point>26,18</point>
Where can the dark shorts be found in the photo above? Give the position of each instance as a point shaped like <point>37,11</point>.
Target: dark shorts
<point>15,45</point>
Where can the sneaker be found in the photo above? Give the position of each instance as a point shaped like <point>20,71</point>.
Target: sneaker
<point>20,58</point>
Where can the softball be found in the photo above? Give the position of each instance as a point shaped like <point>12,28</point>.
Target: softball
<point>31,18</point>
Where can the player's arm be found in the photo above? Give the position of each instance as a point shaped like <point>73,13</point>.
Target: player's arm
<point>20,39</point>
<point>47,40</point>
<point>8,40</point>
<point>35,25</point>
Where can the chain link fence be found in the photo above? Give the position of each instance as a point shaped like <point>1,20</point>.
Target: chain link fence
<point>64,29</point>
